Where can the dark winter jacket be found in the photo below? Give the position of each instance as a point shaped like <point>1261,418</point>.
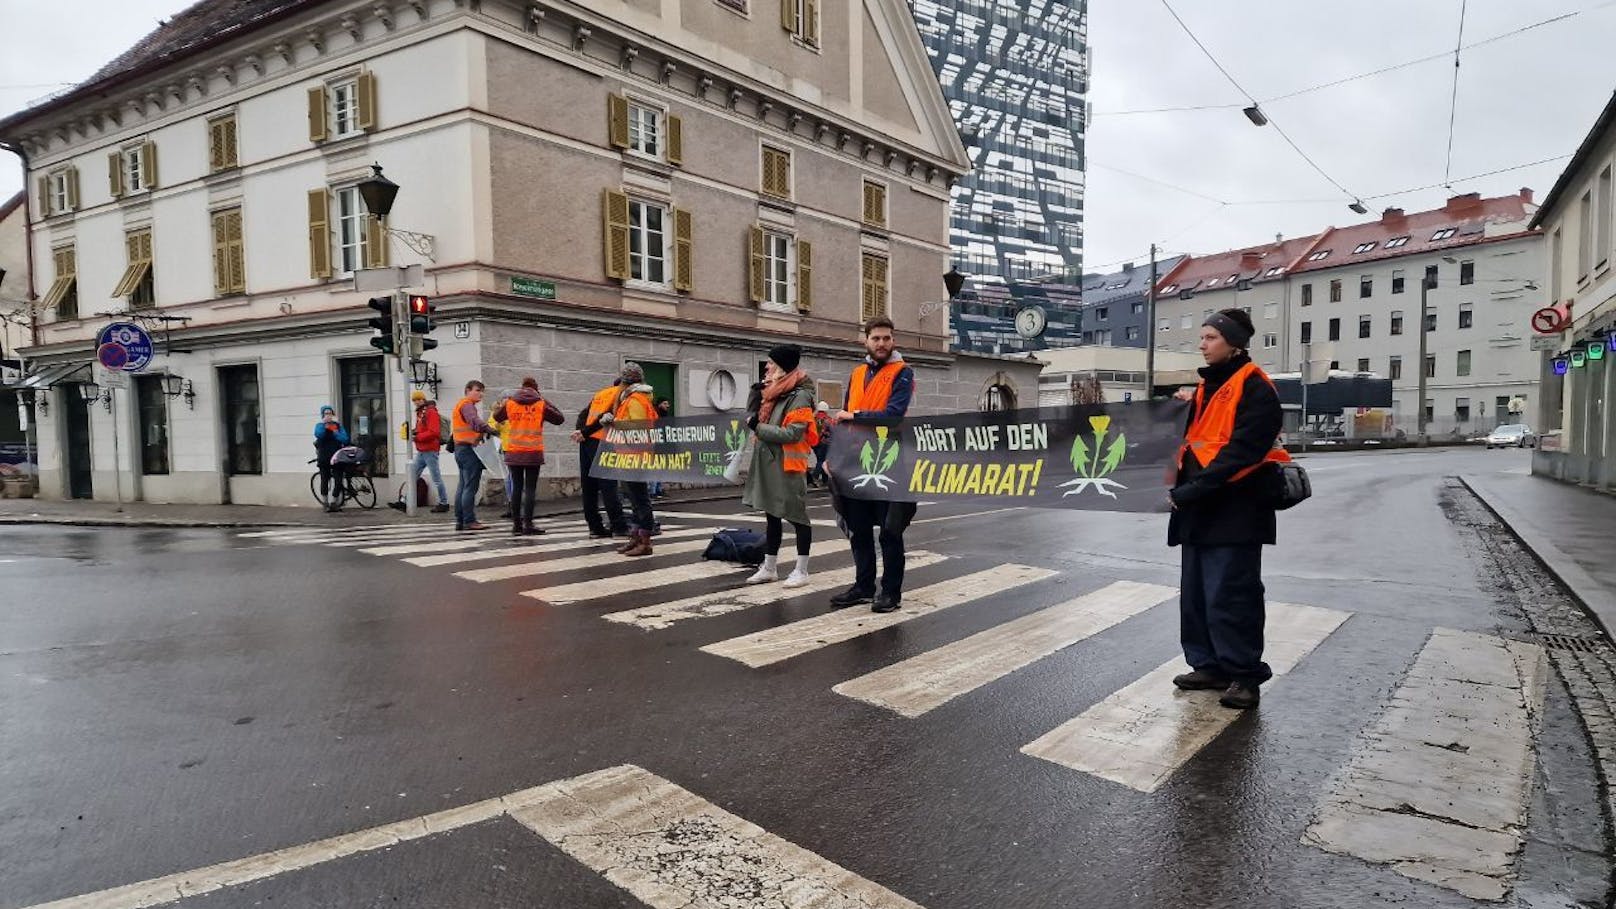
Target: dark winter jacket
<point>1212,510</point>
<point>526,395</point>
<point>327,440</point>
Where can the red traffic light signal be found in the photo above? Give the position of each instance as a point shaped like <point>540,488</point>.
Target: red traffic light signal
<point>420,305</point>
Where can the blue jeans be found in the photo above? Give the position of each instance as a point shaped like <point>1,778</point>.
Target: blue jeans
<point>429,461</point>
<point>1221,611</point>
<point>471,480</point>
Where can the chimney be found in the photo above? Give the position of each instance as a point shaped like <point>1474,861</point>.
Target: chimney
<point>1391,215</point>
<point>1250,261</point>
<point>1127,269</point>
<point>1526,195</point>
<point>1463,203</point>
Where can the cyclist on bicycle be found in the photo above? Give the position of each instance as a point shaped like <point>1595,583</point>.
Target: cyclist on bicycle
<point>329,438</point>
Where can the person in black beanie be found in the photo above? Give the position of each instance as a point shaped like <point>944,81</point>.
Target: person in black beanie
<point>1223,514</point>
<point>782,419</point>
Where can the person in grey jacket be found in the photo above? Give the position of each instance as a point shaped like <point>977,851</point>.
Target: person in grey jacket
<point>783,421</point>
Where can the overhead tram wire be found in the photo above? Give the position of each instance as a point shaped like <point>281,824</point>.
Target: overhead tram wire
<point>1365,75</point>
<point>1453,102</point>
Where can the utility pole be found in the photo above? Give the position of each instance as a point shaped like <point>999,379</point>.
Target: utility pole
<point>1306,353</point>
<point>1150,330</point>
<point>1425,309</point>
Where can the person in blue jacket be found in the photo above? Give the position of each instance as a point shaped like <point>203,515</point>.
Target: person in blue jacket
<point>329,438</point>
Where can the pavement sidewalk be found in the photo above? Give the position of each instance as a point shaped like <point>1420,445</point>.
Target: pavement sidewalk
<point>143,514</point>
<point>1568,527</point>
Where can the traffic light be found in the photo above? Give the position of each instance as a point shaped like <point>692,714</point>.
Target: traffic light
<point>386,339</point>
<point>421,323</point>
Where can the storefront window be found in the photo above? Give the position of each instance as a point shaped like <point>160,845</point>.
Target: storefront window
<point>152,405</point>
<point>244,441</point>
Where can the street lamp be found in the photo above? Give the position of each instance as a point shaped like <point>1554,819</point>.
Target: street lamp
<point>89,392</point>
<point>173,386</point>
<point>953,281</point>
<point>378,193</point>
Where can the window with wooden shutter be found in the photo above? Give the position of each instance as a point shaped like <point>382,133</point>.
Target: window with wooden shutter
<point>617,121</point>
<point>319,233</point>
<point>776,172</point>
<point>115,174</point>
<point>319,130</point>
<point>222,143</point>
<point>790,20</point>
<point>42,189</point>
<point>676,140</point>
<point>70,180</point>
<point>805,283</point>
<point>756,263</point>
<point>63,295</point>
<point>148,164</point>
<point>810,23</point>
<point>684,260</point>
<point>376,253</point>
<point>366,119</point>
<point>875,204</point>
<point>229,259</point>
<point>614,223</point>
<point>874,280</point>
<point>137,274</point>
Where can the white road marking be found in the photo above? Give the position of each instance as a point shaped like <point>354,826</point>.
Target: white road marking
<point>642,579</point>
<point>973,514</point>
<point>1438,787</point>
<point>1140,735</point>
<point>300,530</point>
<point>557,565</point>
<point>720,520</point>
<point>934,678</point>
<point>456,545</point>
<point>723,602</point>
<point>492,530</point>
<point>664,844</point>
<point>783,642</point>
<point>516,550</point>
<point>672,849</point>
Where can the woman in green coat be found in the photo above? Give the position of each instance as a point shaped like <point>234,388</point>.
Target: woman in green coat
<point>783,422</point>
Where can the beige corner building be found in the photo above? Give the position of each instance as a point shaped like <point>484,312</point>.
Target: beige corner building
<point>683,183</point>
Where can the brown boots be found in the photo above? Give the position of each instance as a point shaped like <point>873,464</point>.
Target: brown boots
<point>639,544</point>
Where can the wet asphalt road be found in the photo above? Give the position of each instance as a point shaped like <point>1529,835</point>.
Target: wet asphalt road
<point>170,699</point>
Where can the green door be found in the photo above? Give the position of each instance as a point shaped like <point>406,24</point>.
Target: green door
<point>660,376</point>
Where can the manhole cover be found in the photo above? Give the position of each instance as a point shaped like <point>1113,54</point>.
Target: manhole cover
<point>1572,642</point>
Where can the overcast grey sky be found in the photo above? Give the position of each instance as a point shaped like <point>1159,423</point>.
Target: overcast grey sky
<point>1524,98</point>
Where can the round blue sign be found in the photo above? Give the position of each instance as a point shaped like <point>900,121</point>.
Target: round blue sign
<point>134,340</point>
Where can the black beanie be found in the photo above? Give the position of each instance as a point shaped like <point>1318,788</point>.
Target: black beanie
<point>1235,325</point>
<point>786,356</point>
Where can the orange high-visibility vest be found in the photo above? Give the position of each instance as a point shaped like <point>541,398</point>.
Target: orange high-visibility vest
<point>871,392</point>
<point>1214,423</point>
<point>525,426</point>
<point>796,453</point>
<point>463,433</point>
<point>602,403</point>
<point>636,406</point>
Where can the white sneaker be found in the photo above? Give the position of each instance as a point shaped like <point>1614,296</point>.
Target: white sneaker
<point>765,575</point>
<point>797,578</point>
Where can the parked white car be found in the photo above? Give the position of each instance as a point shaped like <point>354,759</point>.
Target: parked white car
<point>1512,435</point>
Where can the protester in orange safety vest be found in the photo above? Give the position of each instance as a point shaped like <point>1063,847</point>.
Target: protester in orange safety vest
<point>468,430</point>
<point>523,415</point>
<point>1223,514</point>
<point>598,492</point>
<point>633,404</point>
<point>777,483</point>
<point>878,394</point>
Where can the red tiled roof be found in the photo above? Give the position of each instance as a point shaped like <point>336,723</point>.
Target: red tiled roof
<point>1466,215</point>
<point>10,205</point>
<point>204,23</point>
<point>1253,263</point>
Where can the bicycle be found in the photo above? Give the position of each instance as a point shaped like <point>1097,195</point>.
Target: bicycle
<point>350,482</point>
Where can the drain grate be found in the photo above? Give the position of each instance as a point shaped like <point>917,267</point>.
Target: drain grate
<point>1580,644</point>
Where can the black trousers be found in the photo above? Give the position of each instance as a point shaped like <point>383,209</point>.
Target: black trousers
<point>864,517</point>
<point>1221,611</point>
<point>639,499</point>
<point>774,532</point>
<point>524,493</point>
<point>597,492</point>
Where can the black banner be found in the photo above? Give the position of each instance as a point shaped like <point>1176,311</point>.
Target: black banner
<point>689,450</point>
<point>1105,457</point>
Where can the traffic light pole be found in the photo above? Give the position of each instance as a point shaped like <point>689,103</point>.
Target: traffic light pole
<point>401,321</point>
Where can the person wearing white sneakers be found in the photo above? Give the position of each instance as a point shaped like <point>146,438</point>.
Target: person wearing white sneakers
<point>778,483</point>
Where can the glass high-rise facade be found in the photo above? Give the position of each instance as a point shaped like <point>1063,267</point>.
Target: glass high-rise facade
<point>1015,73</point>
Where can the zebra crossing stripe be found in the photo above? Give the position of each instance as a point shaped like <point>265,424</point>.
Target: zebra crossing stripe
<point>301,530</point>
<point>673,849</point>
<point>456,545</point>
<point>441,533</point>
<point>783,642</point>
<point>555,566</point>
<point>583,591</point>
<point>1141,735</point>
<point>934,678</point>
<point>1438,787</point>
<point>336,533</point>
<point>724,519</point>
<point>723,602</point>
<point>534,546</point>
